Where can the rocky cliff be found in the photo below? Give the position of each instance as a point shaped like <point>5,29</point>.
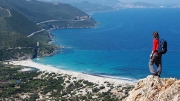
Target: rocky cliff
<point>154,88</point>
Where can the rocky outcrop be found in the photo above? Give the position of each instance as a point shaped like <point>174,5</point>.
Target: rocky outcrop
<point>154,88</point>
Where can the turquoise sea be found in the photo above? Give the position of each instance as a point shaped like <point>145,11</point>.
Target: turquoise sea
<point>120,45</point>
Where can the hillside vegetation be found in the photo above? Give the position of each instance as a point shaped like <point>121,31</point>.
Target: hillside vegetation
<point>41,11</point>
<point>24,26</point>
<point>49,86</point>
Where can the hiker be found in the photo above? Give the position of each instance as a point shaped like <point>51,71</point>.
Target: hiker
<point>155,57</point>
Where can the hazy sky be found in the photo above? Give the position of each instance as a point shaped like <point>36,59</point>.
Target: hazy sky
<point>159,2</point>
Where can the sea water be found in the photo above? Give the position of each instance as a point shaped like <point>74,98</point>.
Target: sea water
<point>120,45</point>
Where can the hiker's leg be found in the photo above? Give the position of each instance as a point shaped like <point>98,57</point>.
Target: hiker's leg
<point>151,62</point>
<point>159,65</point>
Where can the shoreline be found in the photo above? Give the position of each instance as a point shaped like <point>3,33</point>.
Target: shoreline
<point>78,75</point>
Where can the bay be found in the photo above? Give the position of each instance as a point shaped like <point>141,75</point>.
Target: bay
<point>120,45</point>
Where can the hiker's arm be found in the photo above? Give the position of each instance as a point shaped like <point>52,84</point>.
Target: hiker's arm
<point>151,54</point>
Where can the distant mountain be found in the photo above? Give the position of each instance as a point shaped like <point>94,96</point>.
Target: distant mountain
<point>177,6</point>
<point>110,3</point>
<point>103,5</point>
<point>24,25</point>
<point>137,5</point>
<point>91,7</point>
<point>117,4</point>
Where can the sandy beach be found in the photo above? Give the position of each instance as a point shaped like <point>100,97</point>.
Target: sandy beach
<point>90,78</point>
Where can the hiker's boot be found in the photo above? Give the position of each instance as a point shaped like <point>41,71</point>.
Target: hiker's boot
<point>157,74</point>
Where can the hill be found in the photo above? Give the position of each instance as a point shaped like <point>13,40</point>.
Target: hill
<point>57,14</point>
<point>153,88</point>
<point>14,44</point>
<point>24,26</point>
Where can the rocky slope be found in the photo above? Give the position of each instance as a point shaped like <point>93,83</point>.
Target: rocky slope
<point>153,88</point>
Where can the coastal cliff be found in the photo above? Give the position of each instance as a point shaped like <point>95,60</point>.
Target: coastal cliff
<point>153,88</point>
